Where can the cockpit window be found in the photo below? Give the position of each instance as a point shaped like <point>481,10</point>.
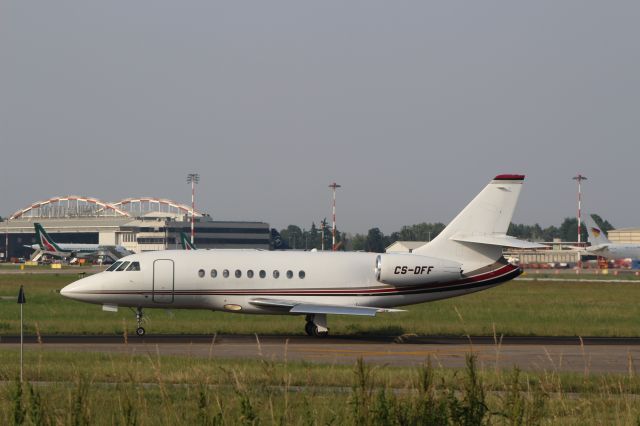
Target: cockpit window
<point>123,266</point>
<point>135,266</point>
<point>114,266</point>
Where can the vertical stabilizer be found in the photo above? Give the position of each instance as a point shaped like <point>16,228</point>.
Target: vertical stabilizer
<point>597,236</point>
<point>44,241</point>
<point>186,243</point>
<point>475,237</point>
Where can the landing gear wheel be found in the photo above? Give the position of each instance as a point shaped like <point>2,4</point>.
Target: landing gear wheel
<point>309,328</point>
<point>139,316</point>
<point>318,333</point>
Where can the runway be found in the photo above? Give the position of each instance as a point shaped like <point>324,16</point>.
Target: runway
<point>594,355</point>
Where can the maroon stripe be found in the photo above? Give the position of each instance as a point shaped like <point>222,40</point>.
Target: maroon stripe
<point>509,177</point>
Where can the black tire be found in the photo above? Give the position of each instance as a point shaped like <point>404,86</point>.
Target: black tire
<point>309,328</point>
<point>318,333</point>
<point>140,331</point>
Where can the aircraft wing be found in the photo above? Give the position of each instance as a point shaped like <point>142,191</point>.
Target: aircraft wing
<point>317,308</point>
<point>596,249</point>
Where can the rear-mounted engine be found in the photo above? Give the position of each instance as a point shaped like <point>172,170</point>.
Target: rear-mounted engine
<point>409,269</point>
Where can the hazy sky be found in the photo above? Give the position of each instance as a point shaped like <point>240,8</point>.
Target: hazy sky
<point>411,106</point>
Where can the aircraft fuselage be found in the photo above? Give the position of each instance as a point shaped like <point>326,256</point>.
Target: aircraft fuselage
<point>230,280</point>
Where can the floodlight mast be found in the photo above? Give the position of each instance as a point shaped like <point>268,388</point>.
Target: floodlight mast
<point>334,186</point>
<point>193,179</point>
<point>579,178</point>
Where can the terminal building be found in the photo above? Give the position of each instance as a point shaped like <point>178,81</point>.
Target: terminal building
<point>624,235</point>
<point>137,224</point>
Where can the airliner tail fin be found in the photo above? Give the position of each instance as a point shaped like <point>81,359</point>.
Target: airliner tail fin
<point>44,240</point>
<point>186,243</point>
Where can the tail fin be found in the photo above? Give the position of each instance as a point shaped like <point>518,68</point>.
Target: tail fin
<point>596,235</point>
<point>475,237</point>
<point>44,240</point>
<point>186,243</point>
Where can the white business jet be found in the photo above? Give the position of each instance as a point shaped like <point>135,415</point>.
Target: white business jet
<point>466,257</point>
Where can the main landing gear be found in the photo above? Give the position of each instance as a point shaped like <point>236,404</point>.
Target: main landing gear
<point>316,325</point>
<point>139,316</point>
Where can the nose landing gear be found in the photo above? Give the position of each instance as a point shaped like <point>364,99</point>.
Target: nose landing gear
<point>139,316</point>
<point>316,325</point>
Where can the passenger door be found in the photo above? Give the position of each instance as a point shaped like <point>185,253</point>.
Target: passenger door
<point>163,273</point>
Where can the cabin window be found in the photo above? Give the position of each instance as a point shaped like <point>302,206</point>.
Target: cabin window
<point>262,273</point>
<point>114,266</point>
<point>249,273</point>
<point>301,274</point>
<point>238,273</point>
<point>289,274</point>
<point>123,266</point>
<point>201,273</point>
<point>214,273</point>
<point>225,273</point>
<point>135,266</point>
<point>276,274</point>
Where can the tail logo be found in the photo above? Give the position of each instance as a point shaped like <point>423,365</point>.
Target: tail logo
<point>47,244</point>
<point>596,232</point>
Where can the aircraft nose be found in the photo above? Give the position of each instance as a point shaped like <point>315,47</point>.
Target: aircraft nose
<point>83,289</point>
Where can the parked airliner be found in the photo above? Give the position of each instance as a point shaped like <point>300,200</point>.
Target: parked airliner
<point>602,246</point>
<point>70,251</point>
<point>465,257</point>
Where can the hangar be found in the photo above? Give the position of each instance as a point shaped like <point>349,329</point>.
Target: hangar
<point>138,224</point>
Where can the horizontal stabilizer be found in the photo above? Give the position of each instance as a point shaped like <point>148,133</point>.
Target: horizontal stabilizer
<point>497,240</point>
<point>313,308</point>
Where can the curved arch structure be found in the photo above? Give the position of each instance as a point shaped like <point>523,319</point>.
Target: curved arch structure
<point>70,206</point>
<point>151,204</point>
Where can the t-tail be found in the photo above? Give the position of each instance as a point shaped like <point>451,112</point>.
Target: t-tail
<point>597,237</point>
<point>44,240</point>
<point>477,235</point>
<point>186,243</point>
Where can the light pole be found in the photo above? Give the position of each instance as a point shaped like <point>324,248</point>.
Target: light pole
<point>334,186</point>
<point>579,178</point>
<point>193,179</point>
<point>6,240</point>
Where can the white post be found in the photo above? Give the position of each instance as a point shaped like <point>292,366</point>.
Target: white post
<point>193,208</point>
<point>334,186</point>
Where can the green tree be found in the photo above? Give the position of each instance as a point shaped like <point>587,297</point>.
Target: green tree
<point>314,237</point>
<point>358,242</point>
<point>603,224</point>
<point>569,230</point>
<point>420,232</point>
<point>374,241</point>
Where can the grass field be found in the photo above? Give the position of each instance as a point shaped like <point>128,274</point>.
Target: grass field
<point>516,308</point>
<point>68,388</point>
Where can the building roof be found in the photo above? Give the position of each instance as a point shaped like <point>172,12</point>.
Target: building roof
<point>632,229</point>
<point>81,206</point>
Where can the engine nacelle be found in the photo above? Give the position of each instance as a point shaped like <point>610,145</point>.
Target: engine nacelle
<point>409,269</point>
